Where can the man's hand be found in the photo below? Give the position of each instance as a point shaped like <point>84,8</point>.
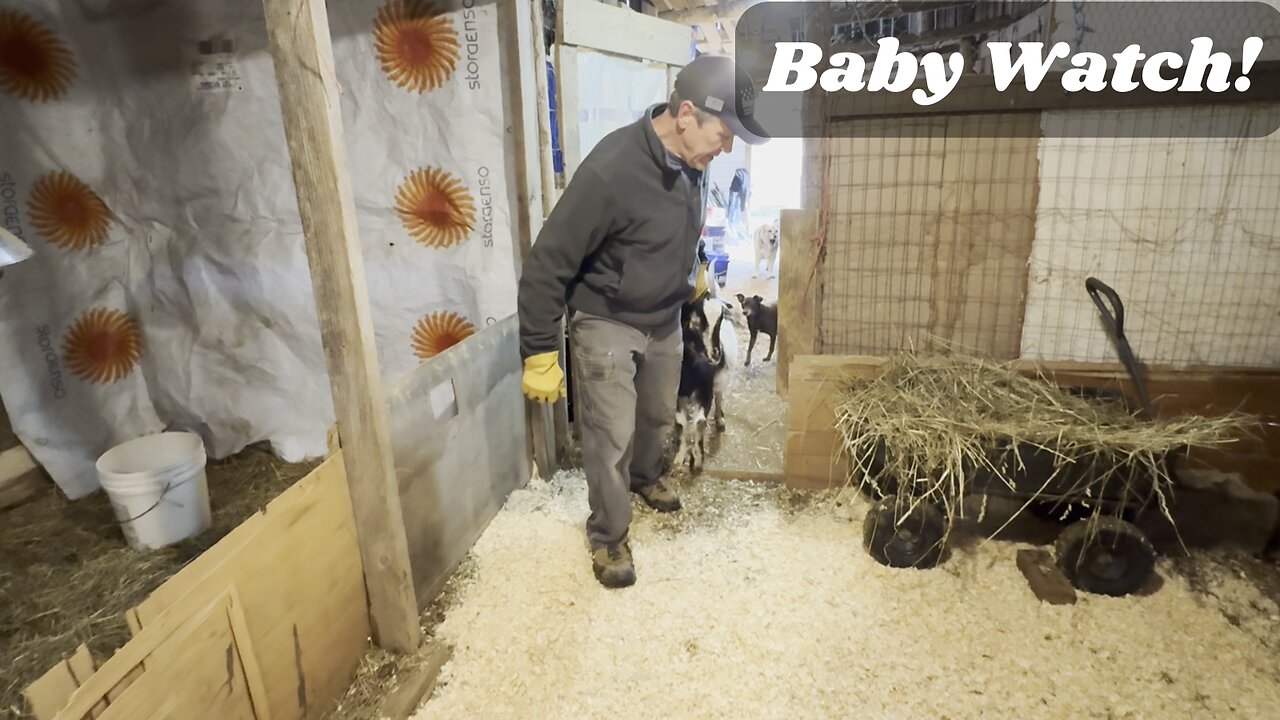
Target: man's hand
<point>543,379</point>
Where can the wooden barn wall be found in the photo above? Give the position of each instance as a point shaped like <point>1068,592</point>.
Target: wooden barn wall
<point>1187,231</point>
<point>928,236</point>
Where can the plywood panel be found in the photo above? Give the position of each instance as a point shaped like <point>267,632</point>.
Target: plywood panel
<point>928,236</point>
<point>296,569</point>
<point>198,671</point>
<point>50,693</point>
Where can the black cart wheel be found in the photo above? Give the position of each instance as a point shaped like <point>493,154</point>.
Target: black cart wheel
<point>895,541</point>
<point>1113,557</point>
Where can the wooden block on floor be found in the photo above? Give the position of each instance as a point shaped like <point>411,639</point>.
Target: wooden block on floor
<point>20,477</point>
<point>1045,578</point>
<point>403,702</point>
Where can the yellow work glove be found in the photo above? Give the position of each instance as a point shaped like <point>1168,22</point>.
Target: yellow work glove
<point>700,283</point>
<point>543,379</point>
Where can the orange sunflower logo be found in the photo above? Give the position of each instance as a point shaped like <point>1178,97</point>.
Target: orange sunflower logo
<point>102,345</point>
<point>439,331</point>
<point>416,44</point>
<point>435,207</point>
<point>67,212</point>
<point>34,62</point>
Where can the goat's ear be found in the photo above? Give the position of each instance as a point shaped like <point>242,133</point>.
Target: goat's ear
<point>741,298</point>
<point>757,298</point>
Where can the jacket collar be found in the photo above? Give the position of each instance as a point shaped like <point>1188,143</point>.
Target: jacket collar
<point>662,157</point>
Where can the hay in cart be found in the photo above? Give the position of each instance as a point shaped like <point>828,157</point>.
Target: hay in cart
<point>927,432</point>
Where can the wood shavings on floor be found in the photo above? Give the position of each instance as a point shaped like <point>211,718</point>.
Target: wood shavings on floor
<point>759,602</point>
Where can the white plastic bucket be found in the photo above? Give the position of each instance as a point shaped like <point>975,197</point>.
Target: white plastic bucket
<point>158,488</point>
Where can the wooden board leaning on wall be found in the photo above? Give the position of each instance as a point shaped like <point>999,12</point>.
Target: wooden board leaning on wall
<point>268,623</point>
<point>812,458</point>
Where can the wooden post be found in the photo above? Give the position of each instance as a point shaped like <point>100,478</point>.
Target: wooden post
<point>798,284</point>
<point>547,161</point>
<point>301,49</point>
<point>521,31</point>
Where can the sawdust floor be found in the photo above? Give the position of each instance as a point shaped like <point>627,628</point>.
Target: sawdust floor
<point>759,602</point>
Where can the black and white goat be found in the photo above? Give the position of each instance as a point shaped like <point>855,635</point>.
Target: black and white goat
<point>711,319</point>
<point>704,378</point>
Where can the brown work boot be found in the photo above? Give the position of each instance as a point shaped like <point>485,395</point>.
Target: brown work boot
<point>613,565</point>
<point>659,497</point>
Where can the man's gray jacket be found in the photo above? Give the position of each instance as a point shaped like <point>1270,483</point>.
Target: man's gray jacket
<point>621,242</point>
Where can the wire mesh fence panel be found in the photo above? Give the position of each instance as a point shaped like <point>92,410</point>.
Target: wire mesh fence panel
<point>1187,231</point>
<point>928,236</point>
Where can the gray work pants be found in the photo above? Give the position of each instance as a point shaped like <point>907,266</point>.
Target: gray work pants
<point>626,382</point>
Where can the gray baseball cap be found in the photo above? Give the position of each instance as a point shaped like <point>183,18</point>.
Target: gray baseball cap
<point>715,84</point>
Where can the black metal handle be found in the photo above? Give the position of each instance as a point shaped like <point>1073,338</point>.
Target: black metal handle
<point>1113,319</point>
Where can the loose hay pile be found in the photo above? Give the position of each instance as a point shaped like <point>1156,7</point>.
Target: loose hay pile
<point>923,427</point>
<point>754,602</point>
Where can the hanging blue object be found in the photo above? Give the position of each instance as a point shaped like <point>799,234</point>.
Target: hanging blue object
<point>557,158</point>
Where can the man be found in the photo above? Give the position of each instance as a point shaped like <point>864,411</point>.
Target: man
<point>619,251</point>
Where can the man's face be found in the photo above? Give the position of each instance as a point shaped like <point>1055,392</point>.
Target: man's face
<point>702,142</point>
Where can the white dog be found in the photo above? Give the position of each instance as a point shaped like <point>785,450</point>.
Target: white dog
<point>766,237</point>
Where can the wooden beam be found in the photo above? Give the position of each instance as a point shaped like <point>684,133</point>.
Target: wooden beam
<point>567,108</point>
<point>710,13</point>
<point>298,32</point>
<point>592,24</point>
<point>404,701</point>
<point>546,161</point>
<point>798,281</point>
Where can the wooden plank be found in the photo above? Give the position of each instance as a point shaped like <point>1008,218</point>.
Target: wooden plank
<point>814,442</point>
<point>298,31</point>
<point>567,106</point>
<point>295,570</point>
<point>403,702</point>
<point>131,655</point>
<point>51,691</point>
<point>1045,578</point>
<point>202,673</point>
<point>810,472</point>
<point>253,675</point>
<point>21,477</point>
<point>14,463</point>
<point>797,290</point>
<point>592,24</point>
<point>546,162</point>
<point>22,489</point>
<point>756,475</point>
<point>515,26</point>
